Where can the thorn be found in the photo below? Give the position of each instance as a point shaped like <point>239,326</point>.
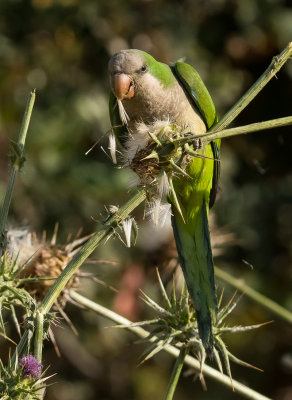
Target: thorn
<point>93,146</point>
<point>53,340</point>
<point>178,169</point>
<point>191,152</point>
<point>105,152</point>
<point>221,298</point>
<point>54,237</point>
<point>66,318</point>
<point>175,199</point>
<point>154,138</point>
<point>153,154</point>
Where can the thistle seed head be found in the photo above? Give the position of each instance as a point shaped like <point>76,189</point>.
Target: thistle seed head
<point>47,259</point>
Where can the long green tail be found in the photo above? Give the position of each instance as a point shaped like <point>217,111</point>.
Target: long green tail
<point>195,255</point>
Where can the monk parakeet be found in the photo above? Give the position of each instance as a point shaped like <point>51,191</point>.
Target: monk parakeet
<point>146,91</point>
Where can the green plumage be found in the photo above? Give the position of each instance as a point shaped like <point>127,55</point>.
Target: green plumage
<point>194,195</point>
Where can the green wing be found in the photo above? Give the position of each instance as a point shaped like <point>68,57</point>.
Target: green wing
<point>194,86</point>
<point>200,97</point>
<point>120,130</point>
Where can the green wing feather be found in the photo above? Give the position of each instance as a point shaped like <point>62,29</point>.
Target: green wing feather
<point>196,89</point>
<point>200,97</point>
<point>195,256</point>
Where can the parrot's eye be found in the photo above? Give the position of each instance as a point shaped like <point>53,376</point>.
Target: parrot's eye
<point>144,68</point>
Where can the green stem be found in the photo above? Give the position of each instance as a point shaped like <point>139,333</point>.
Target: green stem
<point>276,64</point>
<point>14,170</point>
<point>253,294</point>
<point>176,373</point>
<point>240,130</point>
<point>88,248</point>
<point>256,127</point>
<point>22,281</point>
<point>192,362</point>
<point>38,336</point>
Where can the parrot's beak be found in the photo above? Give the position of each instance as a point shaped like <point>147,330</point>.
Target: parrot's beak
<point>123,86</point>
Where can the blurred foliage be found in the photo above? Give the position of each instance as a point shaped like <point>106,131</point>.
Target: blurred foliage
<point>61,48</point>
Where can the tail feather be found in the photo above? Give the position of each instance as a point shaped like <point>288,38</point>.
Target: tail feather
<point>195,256</point>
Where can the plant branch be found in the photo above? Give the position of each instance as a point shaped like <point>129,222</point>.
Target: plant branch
<point>192,362</point>
<point>253,294</point>
<point>177,368</point>
<point>240,130</point>
<point>38,336</point>
<point>276,64</point>
<point>17,162</point>
<point>102,233</point>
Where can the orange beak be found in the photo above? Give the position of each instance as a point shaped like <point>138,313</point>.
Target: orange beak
<point>123,86</point>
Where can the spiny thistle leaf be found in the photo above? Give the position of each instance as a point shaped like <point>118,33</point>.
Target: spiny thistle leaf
<point>163,291</point>
<point>243,363</point>
<point>217,359</point>
<point>141,323</point>
<point>220,344</point>
<point>177,325</point>
<point>154,305</point>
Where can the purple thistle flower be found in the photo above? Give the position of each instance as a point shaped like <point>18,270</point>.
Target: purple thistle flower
<point>31,367</point>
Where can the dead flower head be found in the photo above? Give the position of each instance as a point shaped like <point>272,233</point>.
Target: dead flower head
<point>47,259</point>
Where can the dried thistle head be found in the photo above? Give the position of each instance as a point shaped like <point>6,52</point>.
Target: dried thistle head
<point>146,168</point>
<point>149,151</point>
<point>47,259</point>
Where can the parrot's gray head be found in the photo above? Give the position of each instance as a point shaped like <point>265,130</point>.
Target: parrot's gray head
<point>128,70</point>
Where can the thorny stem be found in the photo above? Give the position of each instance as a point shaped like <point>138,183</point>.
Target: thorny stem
<point>274,67</point>
<point>190,361</point>
<point>240,130</point>
<point>102,233</point>
<point>177,368</point>
<point>38,338</point>
<point>253,294</point>
<point>14,170</point>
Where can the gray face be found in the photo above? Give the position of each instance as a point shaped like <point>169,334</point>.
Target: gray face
<point>130,62</point>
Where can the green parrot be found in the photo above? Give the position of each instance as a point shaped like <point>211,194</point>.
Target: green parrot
<point>145,90</point>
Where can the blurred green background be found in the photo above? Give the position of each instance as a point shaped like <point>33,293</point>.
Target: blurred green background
<point>61,48</point>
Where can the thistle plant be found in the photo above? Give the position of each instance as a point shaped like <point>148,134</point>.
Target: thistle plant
<point>22,380</point>
<point>176,325</point>
<point>27,284</point>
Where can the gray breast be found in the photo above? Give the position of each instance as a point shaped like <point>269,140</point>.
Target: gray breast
<point>157,103</point>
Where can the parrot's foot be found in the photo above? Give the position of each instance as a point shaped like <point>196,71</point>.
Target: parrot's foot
<point>197,143</point>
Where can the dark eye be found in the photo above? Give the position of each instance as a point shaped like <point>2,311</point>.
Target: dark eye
<point>144,68</point>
